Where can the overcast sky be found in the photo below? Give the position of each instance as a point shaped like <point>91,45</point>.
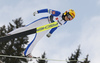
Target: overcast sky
<point>84,30</point>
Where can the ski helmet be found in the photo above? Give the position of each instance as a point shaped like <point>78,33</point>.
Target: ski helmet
<point>69,12</point>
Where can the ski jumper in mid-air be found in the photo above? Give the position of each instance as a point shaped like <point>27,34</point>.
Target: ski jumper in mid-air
<point>60,18</point>
<point>55,16</point>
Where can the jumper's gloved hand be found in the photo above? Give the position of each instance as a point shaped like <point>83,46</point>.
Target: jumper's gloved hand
<point>35,13</point>
<point>48,35</point>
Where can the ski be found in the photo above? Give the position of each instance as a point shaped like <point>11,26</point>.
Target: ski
<point>9,56</point>
<point>31,31</point>
<point>37,58</point>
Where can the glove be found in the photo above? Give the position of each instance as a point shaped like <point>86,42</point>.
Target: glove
<point>35,13</point>
<point>48,35</point>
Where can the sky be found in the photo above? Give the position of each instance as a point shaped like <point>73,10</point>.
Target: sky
<point>83,30</point>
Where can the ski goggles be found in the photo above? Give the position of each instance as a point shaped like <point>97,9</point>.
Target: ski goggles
<point>69,17</point>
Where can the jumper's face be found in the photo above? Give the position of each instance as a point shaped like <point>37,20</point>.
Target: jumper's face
<point>68,18</point>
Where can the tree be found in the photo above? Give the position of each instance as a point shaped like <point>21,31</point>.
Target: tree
<point>13,47</point>
<point>74,57</point>
<point>42,61</point>
<point>86,60</point>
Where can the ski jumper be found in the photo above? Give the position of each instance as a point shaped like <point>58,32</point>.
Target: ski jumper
<point>54,16</point>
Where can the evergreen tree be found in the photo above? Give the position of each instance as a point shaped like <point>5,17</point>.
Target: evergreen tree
<point>2,44</point>
<point>86,60</point>
<point>42,61</point>
<point>13,47</point>
<point>75,56</point>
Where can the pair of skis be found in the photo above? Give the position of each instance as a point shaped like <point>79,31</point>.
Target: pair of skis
<point>31,31</point>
